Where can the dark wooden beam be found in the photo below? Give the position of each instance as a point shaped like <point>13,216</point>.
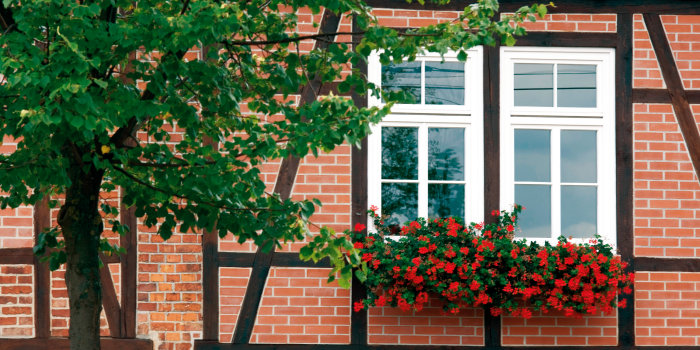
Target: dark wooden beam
<point>568,39</point>
<point>492,165</point>
<point>203,345</point>
<point>42,275</point>
<point>210,286</point>
<point>24,256</point>
<point>358,211</point>
<point>110,302</point>
<point>63,344</point>
<point>129,265</point>
<point>689,7</point>
<point>283,186</point>
<point>624,164</point>
<point>674,84</point>
<point>662,96</point>
<point>666,264</point>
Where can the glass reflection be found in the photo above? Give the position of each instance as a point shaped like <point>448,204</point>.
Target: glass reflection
<point>444,83</point>
<point>534,84</point>
<point>399,202</point>
<point>579,211</point>
<point>446,154</point>
<point>578,156</point>
<point>445,200</point>
<point>532,155</point>
<point>536,220</point>
<point>399,153</point>
<point>576,85</point>
<point>403,77</point>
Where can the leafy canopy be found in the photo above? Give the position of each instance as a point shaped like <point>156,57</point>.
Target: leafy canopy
<point>109,87</point>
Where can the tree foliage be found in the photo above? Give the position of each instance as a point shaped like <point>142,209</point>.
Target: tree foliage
<point>102,94</point>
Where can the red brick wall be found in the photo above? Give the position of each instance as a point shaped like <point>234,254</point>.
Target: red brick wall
<point>430,326</point>
<point>667,310</point>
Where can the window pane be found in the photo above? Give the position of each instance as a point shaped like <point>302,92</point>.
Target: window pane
<point>400,153</point>
<point>399,202</point>
<point>534,84</point>
<point>578,156</point>
<point>532,155</point>
<point>444,83</point>
<point>576,85</point>
<point>579,210</point>
<point>446,154</point>
<point>536,220</point>
<point>403,77</point>
<point>445,200</point>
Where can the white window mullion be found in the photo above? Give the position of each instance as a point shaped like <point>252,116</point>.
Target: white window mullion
<point>556,181</point>
<point>422,82</point>
<point>423,171</point>
<point>554,85</point>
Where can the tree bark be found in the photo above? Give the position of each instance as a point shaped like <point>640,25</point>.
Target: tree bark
<point>81,225</point>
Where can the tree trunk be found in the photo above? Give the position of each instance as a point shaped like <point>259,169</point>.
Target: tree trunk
<point>81,225</point>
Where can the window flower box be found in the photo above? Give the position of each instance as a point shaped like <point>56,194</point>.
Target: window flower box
<point>484,266</point>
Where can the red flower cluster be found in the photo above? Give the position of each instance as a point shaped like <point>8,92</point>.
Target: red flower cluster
<point>481,265</point>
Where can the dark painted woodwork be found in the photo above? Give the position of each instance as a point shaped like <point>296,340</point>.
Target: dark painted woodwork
<point>283,186</point>
<point>662,96</point>
<point>42,275</point>
<point>685,7</point>
<point>16,256</point>
<point>63,344</point>
<point>202,345</point>
<point>568,39</point>
<point>492,162</point>
<point>358,211</point>
<point>674,84</point>
<point>235,259</point>
<point>110,303</point>
<point>642,263</point>
<point>624,164</point>
<point>129,266</point>
<point>210,286</point>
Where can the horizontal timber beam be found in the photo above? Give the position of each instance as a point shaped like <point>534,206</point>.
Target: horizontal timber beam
<point>686,7</point>
<point>235,259</point>
<point>207,345</point>
<point>568,39</point>
<point>662,96</point>
<point>64,344</point>
<point>17,256</point>
<point>666,265</point>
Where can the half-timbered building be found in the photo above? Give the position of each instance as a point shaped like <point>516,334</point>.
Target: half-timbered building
<point>602,96</point>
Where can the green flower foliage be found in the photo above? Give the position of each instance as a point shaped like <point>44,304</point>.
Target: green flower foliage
<point>105,90</point>
<point>482,265</point>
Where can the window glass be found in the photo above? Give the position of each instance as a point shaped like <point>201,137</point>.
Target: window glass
<point>536,220</point>
<point>399,153</point>
<point>579,211</point>
<point>399,202</point>
<point>444,83</point>
<point>403,77</point>
<point>534,84</point>
<point>445,200</point>
<point>578,156</point>
<point>576,85</point>
<point>532,155</point>
<point>446,153</point>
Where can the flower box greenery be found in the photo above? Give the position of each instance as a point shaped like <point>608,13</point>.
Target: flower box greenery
<point>483,266</point>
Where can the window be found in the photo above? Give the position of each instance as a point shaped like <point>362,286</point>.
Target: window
<point>558,141</point>
<point>425,159</point>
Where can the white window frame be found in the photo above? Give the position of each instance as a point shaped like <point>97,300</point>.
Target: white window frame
<point>468,116</point>
<point>600,119</point>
